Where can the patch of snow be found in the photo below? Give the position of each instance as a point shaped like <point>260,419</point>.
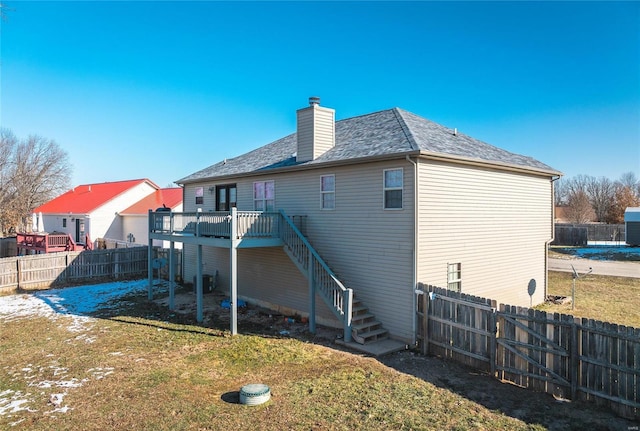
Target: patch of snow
<point>60,410</point>
<point>13,402</point>
<point>72,304</point>
<point>56,399</point>
<point>77,301</point>
<point>12,424</point>
<point>100,373</point>
<point>605,252</point>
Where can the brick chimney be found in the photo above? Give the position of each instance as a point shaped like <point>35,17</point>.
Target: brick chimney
<point>316,131</point>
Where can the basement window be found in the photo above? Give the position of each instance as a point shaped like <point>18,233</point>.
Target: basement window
<point>393,188</point>
<point>454,277</point>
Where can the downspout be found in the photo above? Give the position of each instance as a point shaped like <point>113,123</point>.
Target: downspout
<point>553,235</point>
<point>415,246</point>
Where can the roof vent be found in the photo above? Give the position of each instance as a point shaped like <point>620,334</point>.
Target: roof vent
<point>455,132</point>
<point>314,100</point>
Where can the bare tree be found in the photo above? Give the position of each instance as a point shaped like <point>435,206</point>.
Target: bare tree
<point>32,172</point>
<point>579,208</point>
<point>577,184</point>
<point>624,197</point>
<point>560,192</point>
<point>601,193</point>
<point>629,179</point>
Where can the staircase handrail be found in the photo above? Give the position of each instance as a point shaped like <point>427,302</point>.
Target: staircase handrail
<point>338,297</point>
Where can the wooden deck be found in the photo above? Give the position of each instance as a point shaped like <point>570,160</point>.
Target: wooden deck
<point>248,229</point>
<point>217,229</point>
<point>46,243</point>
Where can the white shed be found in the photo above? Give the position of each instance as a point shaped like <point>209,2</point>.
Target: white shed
<point>632,225</point>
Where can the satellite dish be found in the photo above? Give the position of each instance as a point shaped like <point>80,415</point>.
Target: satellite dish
<point>531,288</point>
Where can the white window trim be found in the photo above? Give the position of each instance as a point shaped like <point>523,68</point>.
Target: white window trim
<point>457,271</point>
<point>385,189</point>
<point>264,200</point>
<point>324,192</point>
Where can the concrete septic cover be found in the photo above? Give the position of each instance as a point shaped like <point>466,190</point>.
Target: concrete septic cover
<point>254,394</point>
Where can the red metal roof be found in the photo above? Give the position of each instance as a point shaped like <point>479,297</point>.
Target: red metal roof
<point>170,198</point>
<point>86,198</point>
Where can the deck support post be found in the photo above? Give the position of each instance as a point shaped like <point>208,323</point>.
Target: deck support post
<point>233,282</point>
<point>172,277</point>
<point>150,259</point>
<point>199,317</point>
<point>312,294</point>
<point>347,305</point>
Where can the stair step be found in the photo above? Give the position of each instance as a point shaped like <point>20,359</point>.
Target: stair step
<point>357,309</point>
<point>367,327</point>
<point>371,336</point>
<point>361,318</point>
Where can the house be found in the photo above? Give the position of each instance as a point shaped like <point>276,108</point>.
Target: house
<point>94,209</point>
<point>135,219</point>
<point>564,214</point>
<point>632,225</point>
<point>341,220</point>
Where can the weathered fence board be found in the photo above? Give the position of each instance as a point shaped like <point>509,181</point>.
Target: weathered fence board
<point>41,271</point>
<point>548,352</point>
<point>460,329</point>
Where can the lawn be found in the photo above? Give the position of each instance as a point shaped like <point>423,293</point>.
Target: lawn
<point>134,365</point>
<point>598,297</point>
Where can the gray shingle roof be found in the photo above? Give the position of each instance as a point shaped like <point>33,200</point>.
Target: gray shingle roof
<point>384,133</point>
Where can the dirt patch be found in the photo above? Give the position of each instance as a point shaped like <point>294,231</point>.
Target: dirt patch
<point>251,319</point>
<point>511,400</point>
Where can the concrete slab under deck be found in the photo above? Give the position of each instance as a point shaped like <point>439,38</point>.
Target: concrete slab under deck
<point>378,348</point>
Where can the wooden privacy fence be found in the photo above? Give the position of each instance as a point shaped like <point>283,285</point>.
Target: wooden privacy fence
<point>8,247</point>
<point>572,358</point>
<point>58,269</point>
<point>580,234</point>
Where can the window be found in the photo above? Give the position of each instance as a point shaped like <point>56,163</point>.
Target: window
<point>393,188</point>
<point>264,196</point>
<point>226,197</point>
<point>328,192</point>
<point>64,222</point>
<point>199,195</point>
<point>454,276</point>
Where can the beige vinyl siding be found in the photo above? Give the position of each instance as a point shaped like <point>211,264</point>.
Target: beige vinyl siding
<point>262,274</point>
<point>315,132</point>
<point>369,248</point>
<point>495,223</point>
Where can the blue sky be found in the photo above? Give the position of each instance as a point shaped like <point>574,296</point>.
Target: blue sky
<point>160,90</point>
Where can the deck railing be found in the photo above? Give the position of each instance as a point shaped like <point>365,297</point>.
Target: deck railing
<point>45,242</point>
<point>254,224</point>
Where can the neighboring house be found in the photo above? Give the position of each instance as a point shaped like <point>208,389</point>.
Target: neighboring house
<point>94,209</point>
<point>135,219</point>
<point>632,226</point>
<point>563,215</point>
<point>388,200</point>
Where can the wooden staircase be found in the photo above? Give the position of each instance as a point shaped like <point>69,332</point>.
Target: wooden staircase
<point>359,323</point>
<point>365,328</point>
